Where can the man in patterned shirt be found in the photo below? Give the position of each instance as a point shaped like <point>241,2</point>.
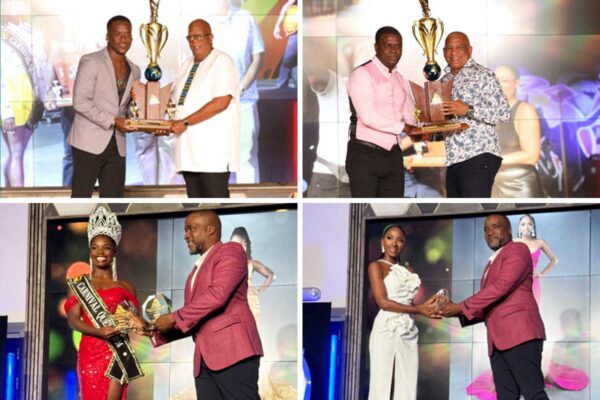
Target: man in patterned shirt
<point>472,155</point>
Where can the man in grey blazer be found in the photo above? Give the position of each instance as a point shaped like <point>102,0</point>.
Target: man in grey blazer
<point>101,95</point>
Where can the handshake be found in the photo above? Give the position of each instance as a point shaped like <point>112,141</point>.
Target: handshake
<point>439,305</point>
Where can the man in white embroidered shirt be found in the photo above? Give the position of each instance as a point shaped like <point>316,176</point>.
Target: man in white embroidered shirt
<point>207,118</point>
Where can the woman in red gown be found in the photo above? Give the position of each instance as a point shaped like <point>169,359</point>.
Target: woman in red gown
<point>94,353</point>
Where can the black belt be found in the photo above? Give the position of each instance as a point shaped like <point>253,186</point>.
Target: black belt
<point>374,146</point>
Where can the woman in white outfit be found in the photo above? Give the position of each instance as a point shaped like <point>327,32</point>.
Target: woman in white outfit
<point>393,343</point>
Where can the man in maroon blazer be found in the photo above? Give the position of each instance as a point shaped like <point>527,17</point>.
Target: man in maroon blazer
<point>216,314</point>
<point>505,302</point>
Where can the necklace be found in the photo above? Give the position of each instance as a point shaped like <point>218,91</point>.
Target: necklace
<point>121,84</point>
<point>386,261</point>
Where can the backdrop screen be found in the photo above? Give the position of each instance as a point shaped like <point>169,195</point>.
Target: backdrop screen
<point>554,44</point>
<point>451,253</point>
<point>154,257</point>
<point>43,40</point>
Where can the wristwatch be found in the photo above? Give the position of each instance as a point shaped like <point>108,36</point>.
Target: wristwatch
<point>186,123</point>
<point>470,112</point>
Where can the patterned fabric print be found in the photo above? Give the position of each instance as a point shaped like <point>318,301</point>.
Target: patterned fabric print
<point>476,85</point>
<point>188,82</point>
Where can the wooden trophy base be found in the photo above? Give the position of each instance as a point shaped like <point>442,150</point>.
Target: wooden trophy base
<point>429,103</point>
<point>439,128</point>
<point>148,125</point>
<point>151,107</point>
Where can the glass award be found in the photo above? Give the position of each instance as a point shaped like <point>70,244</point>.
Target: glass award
<point>155,306</point>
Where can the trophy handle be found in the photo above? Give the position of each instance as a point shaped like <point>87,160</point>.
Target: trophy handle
<point>164,31</point>
<point>415,24</point>
<point>441,24</point>
<point>143,29</point>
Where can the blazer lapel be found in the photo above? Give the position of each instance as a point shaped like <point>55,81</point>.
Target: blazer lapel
<point>188,290</point>
<point>112,80</point>
<point>206,264</point>
<point>488,269</point>
<point>486,273</point>
<point>129,81</point>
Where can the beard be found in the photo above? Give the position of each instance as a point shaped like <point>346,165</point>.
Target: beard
<point>194,249</point>
<point>496,244</point>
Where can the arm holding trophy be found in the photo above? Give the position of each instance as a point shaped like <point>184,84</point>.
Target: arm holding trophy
<point>97,307</point>
<point>429,99</point>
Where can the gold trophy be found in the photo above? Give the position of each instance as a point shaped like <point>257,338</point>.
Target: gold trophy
<point>428,100</point>
<point>122,317</point>
<point>429,38</point>
<point>154,102</point>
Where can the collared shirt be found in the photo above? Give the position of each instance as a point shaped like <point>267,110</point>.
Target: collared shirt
<point>381,102</point>
<point>213,144</point>
<point>491,260</point>
<point>198,265</point>
<point>477,86</point>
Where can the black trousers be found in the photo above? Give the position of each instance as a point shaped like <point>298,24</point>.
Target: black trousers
<point>206,184</point>
<point>374,171</point>
<point>518,371</point>
<point>107,167</point>
<point>473,177</point>
<point>238,382</point>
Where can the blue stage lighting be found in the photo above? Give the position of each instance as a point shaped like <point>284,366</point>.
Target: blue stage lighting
<point>332,369</point>
<point>11,364</point>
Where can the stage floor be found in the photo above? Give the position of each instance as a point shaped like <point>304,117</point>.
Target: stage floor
<point>239,191</point>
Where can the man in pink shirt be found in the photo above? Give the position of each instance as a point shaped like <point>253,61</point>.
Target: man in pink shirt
<point>382,115</point>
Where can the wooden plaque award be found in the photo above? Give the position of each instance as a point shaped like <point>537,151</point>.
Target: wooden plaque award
<point>429,112</point>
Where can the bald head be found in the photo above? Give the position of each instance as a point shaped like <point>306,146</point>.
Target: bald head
<point>500,217</point>
<point>200,24</point>
<point>210,218</point>
<point>460,36</point>
<point>202,230</point>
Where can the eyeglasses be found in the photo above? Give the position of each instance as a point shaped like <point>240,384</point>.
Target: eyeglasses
<point>198,37</point>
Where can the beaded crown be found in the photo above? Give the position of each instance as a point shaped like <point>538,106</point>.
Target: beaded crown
<point>103,222</point>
